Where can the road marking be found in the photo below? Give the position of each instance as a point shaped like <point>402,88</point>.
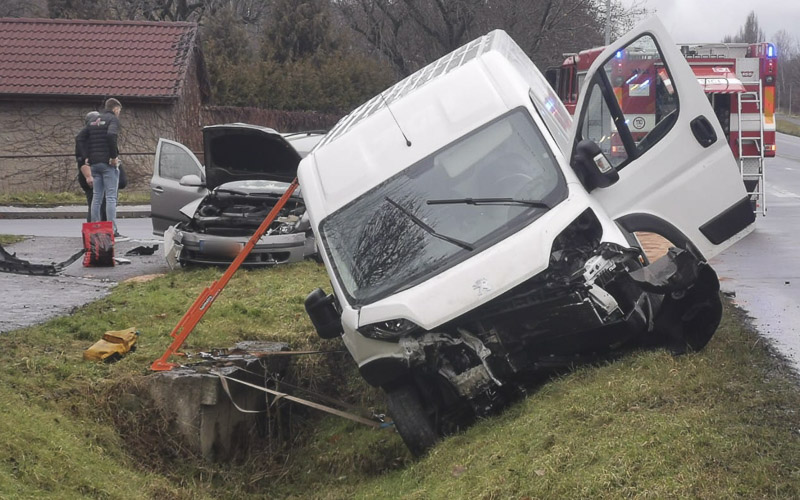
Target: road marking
<point>781,193</point>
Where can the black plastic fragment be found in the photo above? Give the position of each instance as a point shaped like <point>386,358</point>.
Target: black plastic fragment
<point>9,263</point>
<point>142,250</point>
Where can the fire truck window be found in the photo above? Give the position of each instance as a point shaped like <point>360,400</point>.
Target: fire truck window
<point>563,84</point>
<point>598,126</point>
<point>643,88</point>
<point>573,84</point>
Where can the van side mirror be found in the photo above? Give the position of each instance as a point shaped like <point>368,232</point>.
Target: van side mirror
<point>321,309</point>
<point>191,180</point>
<point>593,168</point>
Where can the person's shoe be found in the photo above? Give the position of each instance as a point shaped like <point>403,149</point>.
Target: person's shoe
<point>119,237</point>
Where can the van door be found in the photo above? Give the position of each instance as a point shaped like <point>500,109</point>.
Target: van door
<point>173,162</point>
<point>677,176</point>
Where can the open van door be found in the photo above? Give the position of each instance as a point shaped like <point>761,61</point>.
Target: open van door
<point>178,179</point>
<point>642,105</point>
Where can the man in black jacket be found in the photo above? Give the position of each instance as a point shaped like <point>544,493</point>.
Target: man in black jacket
<point>85,179</point>
<point>97,143</point>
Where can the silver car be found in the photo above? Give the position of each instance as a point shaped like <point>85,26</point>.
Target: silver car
<point>208,213</point>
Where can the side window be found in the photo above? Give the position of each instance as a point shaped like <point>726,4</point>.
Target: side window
<point>174,162</point>
<point>639,99</point>
<point>573,84</point>
<point>598,126</point>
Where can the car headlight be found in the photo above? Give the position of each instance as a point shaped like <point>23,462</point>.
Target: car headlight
<point>388,330</point>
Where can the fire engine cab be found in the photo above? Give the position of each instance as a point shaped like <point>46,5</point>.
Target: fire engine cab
<point>738,79</point>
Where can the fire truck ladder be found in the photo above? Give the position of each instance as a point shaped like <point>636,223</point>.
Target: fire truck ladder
<point>751,166</point>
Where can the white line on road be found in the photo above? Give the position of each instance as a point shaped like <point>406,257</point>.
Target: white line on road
<point>781,193</point>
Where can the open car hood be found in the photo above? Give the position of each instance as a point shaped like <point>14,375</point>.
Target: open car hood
<point>238,151</point>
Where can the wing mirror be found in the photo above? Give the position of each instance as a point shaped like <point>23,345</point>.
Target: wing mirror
<point>191,180</point>
<point>321,308</point>
<point>593,168</point>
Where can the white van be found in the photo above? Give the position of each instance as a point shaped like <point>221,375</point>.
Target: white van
<point>475,236</point>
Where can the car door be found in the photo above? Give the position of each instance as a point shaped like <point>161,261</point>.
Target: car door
<point>168,194</point>
<point>677,176</point>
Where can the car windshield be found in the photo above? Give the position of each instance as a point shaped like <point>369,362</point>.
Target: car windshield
<point>444,209</point>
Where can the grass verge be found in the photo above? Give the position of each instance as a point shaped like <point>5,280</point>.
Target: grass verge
<point>722,423</point>
<point>10,239</point>
<point>787,127</point>
<point>47,199</point>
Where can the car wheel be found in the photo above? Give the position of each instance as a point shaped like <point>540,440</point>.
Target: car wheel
<point>411,420</point>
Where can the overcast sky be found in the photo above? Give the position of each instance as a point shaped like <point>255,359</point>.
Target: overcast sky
<point>711,20</point>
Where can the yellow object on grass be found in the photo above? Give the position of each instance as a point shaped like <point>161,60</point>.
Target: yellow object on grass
<point>113,345</point>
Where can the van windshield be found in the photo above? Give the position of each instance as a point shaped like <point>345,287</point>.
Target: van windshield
<point>443,209</point>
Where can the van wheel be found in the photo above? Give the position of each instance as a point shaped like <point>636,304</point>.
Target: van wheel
<point>411,420</point>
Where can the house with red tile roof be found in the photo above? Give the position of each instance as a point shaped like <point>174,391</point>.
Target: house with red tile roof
<point>54,71</point>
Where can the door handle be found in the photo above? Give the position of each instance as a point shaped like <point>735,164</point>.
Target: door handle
<point>703,131</point>
<point>158,189</point>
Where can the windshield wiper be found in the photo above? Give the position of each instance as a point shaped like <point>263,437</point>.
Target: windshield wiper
<point>428,229</point>
<point>490,201</point>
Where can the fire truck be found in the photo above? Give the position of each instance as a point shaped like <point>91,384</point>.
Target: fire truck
<point>738,79</point>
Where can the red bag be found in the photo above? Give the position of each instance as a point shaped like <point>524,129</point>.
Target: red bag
<point>98,241</point>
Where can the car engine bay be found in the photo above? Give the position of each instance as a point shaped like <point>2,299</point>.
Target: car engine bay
<point>225,213</point>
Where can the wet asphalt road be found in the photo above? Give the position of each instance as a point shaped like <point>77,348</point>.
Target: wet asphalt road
<point>34,299</point>
<point>763,269</point>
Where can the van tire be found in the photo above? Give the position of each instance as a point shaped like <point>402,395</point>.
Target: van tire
<point>411,420</point>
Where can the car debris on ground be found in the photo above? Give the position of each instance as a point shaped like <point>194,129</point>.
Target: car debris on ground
<point>9,263</point>
<point>113,346</point>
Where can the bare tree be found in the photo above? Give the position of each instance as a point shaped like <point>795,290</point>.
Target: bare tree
<point>160,10</point>
<point>23,8</point>
<point>786,46</point>
<point>411,33</point>
<point>79,9</point>
<point>749,32</point>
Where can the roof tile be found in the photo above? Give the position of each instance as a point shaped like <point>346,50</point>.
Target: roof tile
<point>94,58</point>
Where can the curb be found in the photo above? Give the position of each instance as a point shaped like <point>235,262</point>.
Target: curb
<point>68,212</point>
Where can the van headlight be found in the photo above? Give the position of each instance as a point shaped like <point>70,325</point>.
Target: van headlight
<point>388,330</point>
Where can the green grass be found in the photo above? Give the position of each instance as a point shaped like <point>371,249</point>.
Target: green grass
<point>47,199</point>
<point>787,127</point>
<point>722,423</point>
<point>10,239</point>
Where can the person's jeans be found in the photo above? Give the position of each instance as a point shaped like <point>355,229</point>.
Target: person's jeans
<point>106,180</point>
<point>89,195</point>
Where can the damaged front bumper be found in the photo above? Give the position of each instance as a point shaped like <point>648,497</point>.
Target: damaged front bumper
<point>558,319</point>
<point>206,249</point>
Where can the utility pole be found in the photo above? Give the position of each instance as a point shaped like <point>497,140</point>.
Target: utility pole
<point>608,22</point>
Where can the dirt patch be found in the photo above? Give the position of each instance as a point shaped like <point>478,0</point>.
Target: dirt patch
<point>143,279</point>
<point>654,246</point>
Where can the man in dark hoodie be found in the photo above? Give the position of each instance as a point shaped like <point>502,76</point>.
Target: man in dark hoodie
<point>97,143</point>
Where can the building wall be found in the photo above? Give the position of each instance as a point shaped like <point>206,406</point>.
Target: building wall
<point>41,137</point>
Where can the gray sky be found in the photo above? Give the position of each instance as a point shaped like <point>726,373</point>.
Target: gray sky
<point>711,20</point>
